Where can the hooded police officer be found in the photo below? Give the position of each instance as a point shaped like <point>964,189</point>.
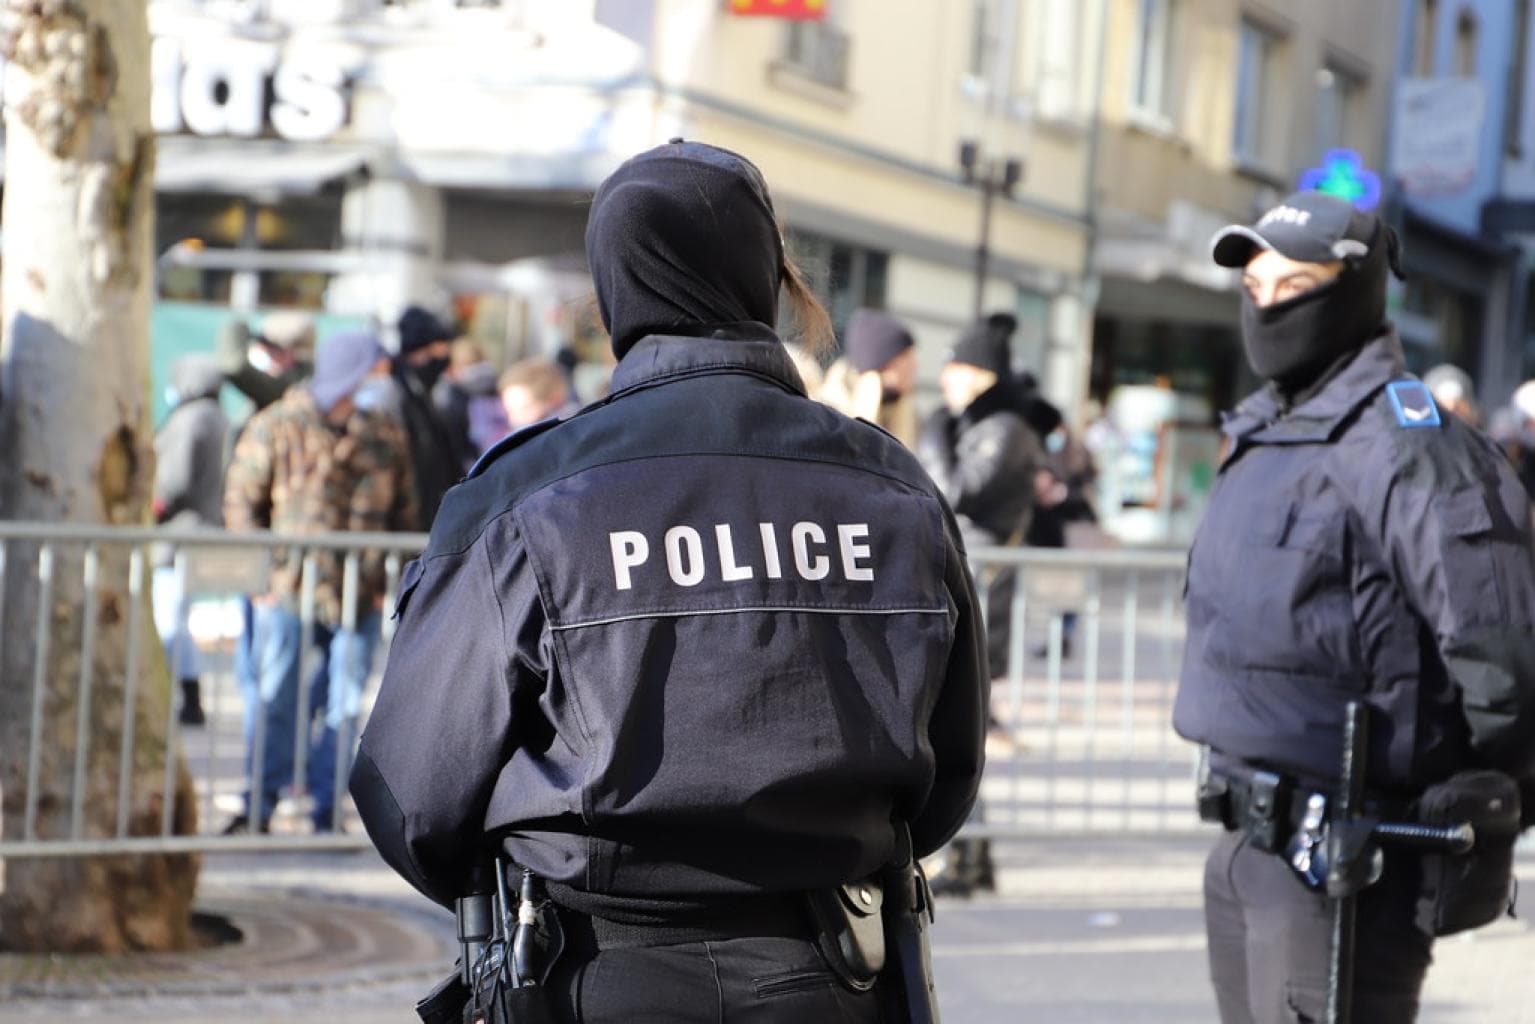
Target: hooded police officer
<point>1359,546</point>
<point>690,654</point>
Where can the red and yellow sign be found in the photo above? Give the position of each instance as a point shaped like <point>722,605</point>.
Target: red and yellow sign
<point>798,10</point>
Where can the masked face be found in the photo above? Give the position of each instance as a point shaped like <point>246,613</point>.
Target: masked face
<point>372,394</point>
<point>1300,318</point>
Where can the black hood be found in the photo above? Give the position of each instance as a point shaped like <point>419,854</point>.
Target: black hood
<point>683,240</point>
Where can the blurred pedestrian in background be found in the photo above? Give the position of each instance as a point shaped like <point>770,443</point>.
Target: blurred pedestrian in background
<point>188,492</point>
<point>983,456</point>
<point>321,459</point>
<point>533,390</point>
<point>263,366</point>
<point>467,402</point>
<point>874,378</point>
<point>1454,392</point>
<point>426,345</point>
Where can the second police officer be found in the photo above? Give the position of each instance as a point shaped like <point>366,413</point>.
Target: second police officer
<point>692,653</point>
<point>1358,546</point>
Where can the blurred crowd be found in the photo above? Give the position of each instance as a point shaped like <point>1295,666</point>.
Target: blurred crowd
<point>349,437</point>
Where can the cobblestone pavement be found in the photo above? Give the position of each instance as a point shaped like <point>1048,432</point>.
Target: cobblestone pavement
<point>1102,933</point>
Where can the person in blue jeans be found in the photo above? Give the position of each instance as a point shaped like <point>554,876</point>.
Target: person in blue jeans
<point>321,460</point>
<point>330,722</point>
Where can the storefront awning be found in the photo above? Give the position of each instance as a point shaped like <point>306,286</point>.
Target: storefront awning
<point>223,167</point>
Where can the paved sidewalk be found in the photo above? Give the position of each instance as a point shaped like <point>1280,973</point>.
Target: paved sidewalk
<point>1102,933</point>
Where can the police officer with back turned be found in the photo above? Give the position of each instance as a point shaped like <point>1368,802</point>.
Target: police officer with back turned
<point>692,655</point>
<point>1360,546</point>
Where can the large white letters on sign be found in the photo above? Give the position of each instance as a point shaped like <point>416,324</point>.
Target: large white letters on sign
<point>239,86</point>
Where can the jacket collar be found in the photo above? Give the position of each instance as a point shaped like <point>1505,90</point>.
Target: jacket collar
<point>1261,419</point>
<point>749,348</point>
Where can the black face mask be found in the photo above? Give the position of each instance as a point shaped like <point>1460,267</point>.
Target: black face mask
<point>890,396</point>
<point>1293,342</point>
<point>429,372</point>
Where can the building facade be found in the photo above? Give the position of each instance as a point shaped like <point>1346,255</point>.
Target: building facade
<point>1213,110</point>
<point>1458,168</point>
<point>353,156</point>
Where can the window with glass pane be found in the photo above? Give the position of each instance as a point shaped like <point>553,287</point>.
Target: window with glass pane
<point>1250,136</point>
<point>1424,38</point>
<point>1055,55</point>
<point>985,39</point>
<point>1465,45</point>
<point>1152,83</point>
<point>818,50</point>
<point>1338,94</point>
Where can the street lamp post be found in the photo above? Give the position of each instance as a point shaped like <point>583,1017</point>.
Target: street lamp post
<point>993,177</point>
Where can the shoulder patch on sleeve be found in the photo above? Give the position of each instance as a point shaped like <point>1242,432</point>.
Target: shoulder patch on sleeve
<point>510,441</point>
<point>1413,404</point>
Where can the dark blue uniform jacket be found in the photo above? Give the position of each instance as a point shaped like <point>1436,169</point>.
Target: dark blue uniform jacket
<point>701,640</point>
<point>1358,547</point>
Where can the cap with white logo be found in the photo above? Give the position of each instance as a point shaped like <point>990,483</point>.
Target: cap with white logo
<point>1311,227</point>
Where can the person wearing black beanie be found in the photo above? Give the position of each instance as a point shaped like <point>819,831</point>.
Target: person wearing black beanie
<point>874,378</point>
<point>1364,568</point>
<point>704,658</point>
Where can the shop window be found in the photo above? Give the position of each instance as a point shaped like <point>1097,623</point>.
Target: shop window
<point>843,276</point>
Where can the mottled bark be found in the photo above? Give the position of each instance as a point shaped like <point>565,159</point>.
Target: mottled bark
<point>75,447</point>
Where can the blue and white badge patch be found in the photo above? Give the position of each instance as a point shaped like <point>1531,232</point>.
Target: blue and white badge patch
<point>1413,404</point>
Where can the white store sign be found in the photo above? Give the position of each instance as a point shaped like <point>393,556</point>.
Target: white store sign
<point>242,87</point>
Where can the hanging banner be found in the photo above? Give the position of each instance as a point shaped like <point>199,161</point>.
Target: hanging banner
<point>1437,140</point>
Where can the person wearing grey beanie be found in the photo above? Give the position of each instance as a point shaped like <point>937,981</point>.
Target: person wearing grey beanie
<point>873,380</point>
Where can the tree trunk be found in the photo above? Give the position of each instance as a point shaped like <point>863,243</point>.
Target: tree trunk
<point>75,447</point>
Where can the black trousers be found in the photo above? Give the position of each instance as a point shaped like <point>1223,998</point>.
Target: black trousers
<point>1269,941</point>
<point>750,981</point>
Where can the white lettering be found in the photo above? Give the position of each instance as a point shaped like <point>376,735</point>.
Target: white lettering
<point>221,87</point>
<point>811,569</point>
<point>311,105</point>
<point>165,74</point>
<point>630,549</point>
<point>728,567</point>
<point>847,536</point>
<point>770,551</point>
<point>676,537</point>
<point>239,73</point>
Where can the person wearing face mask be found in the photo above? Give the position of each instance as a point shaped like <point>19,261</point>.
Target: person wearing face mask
<point>691,655</point>
<point>1359,545</point>
<point>873,380</point>
<point>426,344</point>
<point>321,459</point>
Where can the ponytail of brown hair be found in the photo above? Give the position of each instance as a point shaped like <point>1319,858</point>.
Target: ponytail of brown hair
<point>812,324</point>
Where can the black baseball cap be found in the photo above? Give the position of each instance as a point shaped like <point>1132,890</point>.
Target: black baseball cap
<point>1312,227</point>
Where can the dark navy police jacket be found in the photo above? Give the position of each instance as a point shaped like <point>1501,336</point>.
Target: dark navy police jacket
<point>1362,547</point>
<point>704,639</point>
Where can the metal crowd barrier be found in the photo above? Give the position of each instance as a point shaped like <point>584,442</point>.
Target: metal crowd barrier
<point>1080,741</point>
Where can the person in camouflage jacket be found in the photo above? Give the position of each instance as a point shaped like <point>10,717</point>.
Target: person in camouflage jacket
<point>320,459</point>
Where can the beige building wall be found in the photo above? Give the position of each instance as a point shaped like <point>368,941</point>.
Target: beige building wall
<point>876,160</point>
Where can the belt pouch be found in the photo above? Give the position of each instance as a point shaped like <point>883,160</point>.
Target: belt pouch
<point>1459,892</point>
<point>1265,812</point>
<point>850,931</point>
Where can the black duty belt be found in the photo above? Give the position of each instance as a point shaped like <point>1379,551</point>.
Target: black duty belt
<point>1270,807</point>
<point>779,916</point>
